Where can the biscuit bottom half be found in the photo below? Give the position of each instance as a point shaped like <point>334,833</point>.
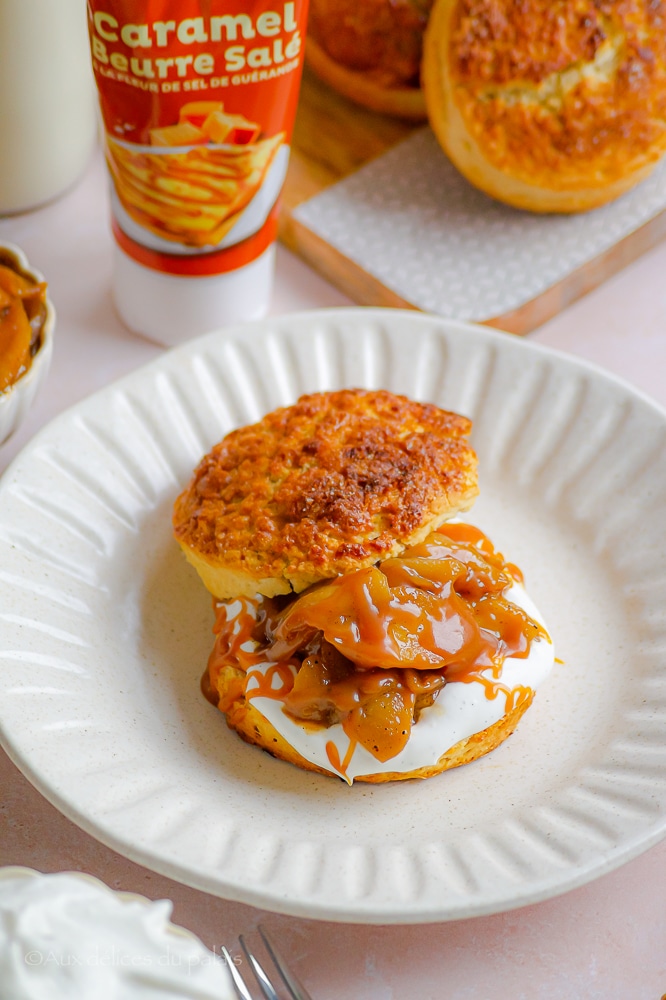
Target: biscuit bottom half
<point>402,670</point>
<point>255,728</point>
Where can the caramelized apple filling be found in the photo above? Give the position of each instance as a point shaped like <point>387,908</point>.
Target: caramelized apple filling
<point>371,649</point>
<point>22,315</point>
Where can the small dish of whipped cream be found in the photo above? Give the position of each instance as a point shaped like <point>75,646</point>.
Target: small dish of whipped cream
<point>67,936</point>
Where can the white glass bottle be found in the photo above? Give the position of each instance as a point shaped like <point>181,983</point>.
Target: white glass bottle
<point>47,100</point>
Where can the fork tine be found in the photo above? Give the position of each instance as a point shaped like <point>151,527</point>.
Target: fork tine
<point>298,991</point>
<point>263,980</point>
<point>241,988</point>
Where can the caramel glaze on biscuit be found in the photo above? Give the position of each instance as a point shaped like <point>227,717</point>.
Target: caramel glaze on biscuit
<point>254,728</point>
<point>333,483</point>
<point>559,94</point>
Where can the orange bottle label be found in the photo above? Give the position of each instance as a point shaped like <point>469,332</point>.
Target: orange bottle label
<point>198,99</point>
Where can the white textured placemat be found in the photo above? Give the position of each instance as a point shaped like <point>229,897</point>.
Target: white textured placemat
<point>413,222</point>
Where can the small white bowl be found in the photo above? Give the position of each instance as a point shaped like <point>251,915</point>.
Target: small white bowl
<point>16,400</point>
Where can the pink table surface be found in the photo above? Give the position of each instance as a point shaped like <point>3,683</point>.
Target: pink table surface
<point>605,941</point>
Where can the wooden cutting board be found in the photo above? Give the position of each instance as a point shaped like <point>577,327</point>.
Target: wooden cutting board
<point>333,138</point>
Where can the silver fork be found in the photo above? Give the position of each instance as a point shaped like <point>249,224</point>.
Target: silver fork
<point>295,990</point>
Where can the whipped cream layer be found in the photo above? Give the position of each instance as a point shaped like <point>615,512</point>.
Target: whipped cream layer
<point>69,937</point>
<point>460,710</point>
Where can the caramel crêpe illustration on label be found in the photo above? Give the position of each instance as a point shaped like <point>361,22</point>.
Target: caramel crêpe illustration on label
<point>205,170</point>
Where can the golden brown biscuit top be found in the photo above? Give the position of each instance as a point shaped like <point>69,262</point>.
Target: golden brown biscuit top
<point>381,38</point>
<point>562,85</point>
<point>332,483</point>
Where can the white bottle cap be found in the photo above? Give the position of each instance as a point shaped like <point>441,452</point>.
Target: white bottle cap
<point>171,309</point>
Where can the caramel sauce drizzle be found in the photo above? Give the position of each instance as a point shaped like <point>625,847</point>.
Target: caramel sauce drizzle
<point>370,649</point>
<point>264,688</point>
<point>334,758</point>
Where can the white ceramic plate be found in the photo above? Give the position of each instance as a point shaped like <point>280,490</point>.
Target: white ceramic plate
<point>105,631</point>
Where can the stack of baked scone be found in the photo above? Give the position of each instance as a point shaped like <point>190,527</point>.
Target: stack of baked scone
<point>548,105</point>
<point>359,632</point>
<point>370,51</point>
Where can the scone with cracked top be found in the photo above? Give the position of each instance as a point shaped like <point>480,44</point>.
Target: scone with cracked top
<point>333,483</point>
<point>549,105</point>
<point>370,52</point>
